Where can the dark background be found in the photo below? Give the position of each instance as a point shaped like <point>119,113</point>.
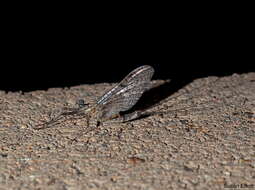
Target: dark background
<point>63,48</point>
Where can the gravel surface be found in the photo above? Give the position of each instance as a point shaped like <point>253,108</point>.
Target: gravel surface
<point>200,136</point>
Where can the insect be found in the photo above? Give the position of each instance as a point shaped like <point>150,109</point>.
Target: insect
<point>120,98</point>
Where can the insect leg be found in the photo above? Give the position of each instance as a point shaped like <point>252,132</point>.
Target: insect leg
<point>91,125</point>
<point>125,117</point>
<point>131,116</point>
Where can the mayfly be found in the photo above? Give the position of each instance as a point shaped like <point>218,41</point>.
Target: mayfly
<point>119,99</point>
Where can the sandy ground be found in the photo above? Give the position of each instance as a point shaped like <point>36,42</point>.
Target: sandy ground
<point>199,136</point>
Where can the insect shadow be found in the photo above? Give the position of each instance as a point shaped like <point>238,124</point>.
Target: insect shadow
<point>154,96</point>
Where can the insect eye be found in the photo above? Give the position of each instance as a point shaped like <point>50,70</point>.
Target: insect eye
<point>81,103</point>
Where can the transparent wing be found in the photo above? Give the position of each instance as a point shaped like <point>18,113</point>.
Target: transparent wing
<point>121,102</point>
<point>125,95</point>
<point>140,75</point>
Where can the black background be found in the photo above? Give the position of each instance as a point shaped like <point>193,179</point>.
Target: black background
<point>66,47</point>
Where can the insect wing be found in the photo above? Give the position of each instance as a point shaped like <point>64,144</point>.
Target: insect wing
<point>123,102</point>
<point>125,95</point>
<point>141,75</point>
